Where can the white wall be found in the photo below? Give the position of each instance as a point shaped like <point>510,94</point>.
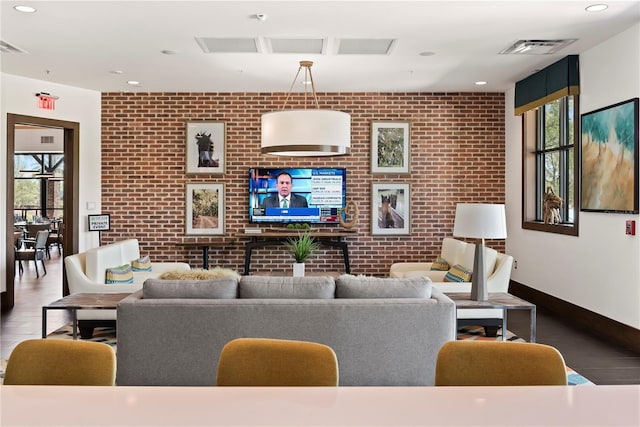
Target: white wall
<point>17,96</point>
<point>600,269</point>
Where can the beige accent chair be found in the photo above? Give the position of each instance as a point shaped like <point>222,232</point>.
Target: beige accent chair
<point>274,362</point>
<point>497,363</point>
<point>497,267</point>
<point>61,362</point>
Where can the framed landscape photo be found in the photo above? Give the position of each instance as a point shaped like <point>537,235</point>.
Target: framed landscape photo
<point>390,142</point>
<point>205,209</point>
<point>609,159</point>
<point>206,147</point>
<point>390,209</point>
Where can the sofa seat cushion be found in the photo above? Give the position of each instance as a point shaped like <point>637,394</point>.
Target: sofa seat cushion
<point>348,286</point>
<point>308,287</point>
<point>221,288</point>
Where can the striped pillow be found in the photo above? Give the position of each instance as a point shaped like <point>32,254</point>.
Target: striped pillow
<point>119,275</point>
<point>141,264</point>
<point>458,273</point>
<point>440,264</point>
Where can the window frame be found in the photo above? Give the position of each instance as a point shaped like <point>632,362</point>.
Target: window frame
<point>533,171</point>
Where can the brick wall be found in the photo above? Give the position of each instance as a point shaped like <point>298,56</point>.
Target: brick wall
<point>457,155</point>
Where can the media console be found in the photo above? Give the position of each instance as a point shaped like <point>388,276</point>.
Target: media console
<point>271,238</point>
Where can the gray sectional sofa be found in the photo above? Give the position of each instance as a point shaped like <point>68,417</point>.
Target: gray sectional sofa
<point>385,332</point>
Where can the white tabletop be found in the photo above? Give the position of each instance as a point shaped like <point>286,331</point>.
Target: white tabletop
<point>345,406</point>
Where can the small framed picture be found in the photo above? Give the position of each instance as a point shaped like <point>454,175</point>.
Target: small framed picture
<point>390,209</point>
<point>205,209</point>
<point>390,143</point>
<point>206,147</point>
<point>101,222</point>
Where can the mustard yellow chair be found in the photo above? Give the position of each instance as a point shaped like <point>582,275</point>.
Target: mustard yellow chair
<point>489,363</point>
<point>272,362</point>
<point>61,362</point>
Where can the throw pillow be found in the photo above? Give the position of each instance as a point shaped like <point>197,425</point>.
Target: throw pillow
<point>199,274</point>
<point>141,264</point>
<point>220,288</point>
<point>440,264</point>
<point>118,275</point>
<point>348,286</point>
<point>458,273</point>
<point>307,287</point>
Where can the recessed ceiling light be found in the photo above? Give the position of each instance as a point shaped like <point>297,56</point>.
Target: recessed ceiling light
<point>25,9</point>
<point>169,52</point>
<point>481,83</point>
<point>427,53</point>
<point>116,71</point>
<point>133,83</point>
<point>596,7</point>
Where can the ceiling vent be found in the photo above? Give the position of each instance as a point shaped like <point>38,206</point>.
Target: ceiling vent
<point>227,45</point>
<point>365,46</point>
<point>9,48</point>
<point>536,47</point>
<point>309,46</point>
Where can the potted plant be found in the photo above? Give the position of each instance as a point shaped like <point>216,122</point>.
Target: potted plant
<point>301,247</point>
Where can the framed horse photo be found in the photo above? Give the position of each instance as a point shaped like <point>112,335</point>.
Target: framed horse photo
<point>206,147</point>
<point>390,209</point>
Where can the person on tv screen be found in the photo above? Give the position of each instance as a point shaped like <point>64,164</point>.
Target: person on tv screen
<point>285,198</point>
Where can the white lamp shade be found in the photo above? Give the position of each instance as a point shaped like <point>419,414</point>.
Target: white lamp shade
<point>480,221</point>
<point>312,132</point>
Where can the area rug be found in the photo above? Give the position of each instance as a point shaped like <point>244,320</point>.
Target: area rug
<point>107,335</point>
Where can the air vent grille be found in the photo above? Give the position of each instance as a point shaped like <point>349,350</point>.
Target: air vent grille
<point>536,47</point>
<point>6,47</point>
<point>227,45</point>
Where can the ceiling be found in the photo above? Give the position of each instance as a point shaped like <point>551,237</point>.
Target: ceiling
<point>437,45</point>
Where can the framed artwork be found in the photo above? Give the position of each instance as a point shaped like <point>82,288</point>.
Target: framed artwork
<point>206,147</point>
<point>609,159</point>
<point>390,209</point>
<point>205,209</point>
<point>390,143</point>
<point>100,222</point>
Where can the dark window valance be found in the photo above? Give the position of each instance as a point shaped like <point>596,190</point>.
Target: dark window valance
<point>559,79</point>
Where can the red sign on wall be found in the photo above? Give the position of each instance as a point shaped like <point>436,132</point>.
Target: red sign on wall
<point>46,101</point>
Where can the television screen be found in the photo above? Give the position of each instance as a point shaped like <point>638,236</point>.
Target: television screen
<point>283,195</point>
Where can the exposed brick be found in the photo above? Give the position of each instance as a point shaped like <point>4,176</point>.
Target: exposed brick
<point>457,155</point>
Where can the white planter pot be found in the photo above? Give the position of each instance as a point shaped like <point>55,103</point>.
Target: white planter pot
<point>298,269</point>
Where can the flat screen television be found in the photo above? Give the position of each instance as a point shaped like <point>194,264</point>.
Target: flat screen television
<point>323,189</point>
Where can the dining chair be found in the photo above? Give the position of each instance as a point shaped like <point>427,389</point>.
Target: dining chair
<point>32,232</point>
<point>61,362</point>
<point>274,362</point>
<point>33,250</point>
<point>497,363</point>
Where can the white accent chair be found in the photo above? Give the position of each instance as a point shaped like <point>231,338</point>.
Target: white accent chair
<point>497,266</point>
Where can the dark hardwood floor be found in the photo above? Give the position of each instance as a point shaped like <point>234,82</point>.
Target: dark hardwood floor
<point>592,356</point>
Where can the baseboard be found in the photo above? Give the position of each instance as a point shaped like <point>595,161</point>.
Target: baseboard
<point>602,326</point>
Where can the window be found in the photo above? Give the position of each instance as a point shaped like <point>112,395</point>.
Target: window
<point>549,164</point>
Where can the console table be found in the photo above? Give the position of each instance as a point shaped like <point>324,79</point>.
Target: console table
<point>270,238</point>
<point>205,243</point>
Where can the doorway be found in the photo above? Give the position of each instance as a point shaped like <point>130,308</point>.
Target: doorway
<point>70,210</point>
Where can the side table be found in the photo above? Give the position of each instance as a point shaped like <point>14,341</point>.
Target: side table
<point>501,300</point>
<point>77,302</point>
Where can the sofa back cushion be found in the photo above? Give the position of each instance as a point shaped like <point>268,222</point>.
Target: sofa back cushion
<point>348,286</point>
<point>452,250</point>
<point>307,287</point>
<point>222,288</point>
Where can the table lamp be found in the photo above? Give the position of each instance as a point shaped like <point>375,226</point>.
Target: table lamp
<point>480,221</point>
